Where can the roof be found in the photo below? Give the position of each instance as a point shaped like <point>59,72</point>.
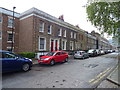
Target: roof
<point>9,12</point>
<point>36,12</point>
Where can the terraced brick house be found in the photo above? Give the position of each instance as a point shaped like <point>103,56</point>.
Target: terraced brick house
<point>6,21</point>
<point>37,31</point>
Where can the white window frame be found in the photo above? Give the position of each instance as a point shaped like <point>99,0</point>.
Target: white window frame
<point>44,44</point>
<point>75,35</point>
<point>50,30</point>
<point>0,34</point>
<point>11,24</point>
<point>41,27</point>
<point>71,34</point>
<point>64,33</point>
<point>60,33</point>
<point>65,44</point>
<point>10,48</point>
<point>10,32</point>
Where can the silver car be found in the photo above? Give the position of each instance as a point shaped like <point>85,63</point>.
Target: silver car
<point>81,54</point>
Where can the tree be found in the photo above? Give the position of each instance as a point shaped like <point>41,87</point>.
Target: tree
<point>105,16</point>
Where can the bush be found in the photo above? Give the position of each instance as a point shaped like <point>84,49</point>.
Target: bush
<point>27,54</point>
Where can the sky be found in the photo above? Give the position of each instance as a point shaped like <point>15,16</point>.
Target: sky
<point>72,10</point>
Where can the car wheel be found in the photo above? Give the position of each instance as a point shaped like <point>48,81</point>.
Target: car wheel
<point>66,59</point>
<point>83,57</point>
<point>26,67</point>
<point>52,62</point>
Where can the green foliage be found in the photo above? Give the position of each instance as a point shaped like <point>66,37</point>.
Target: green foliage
<point>105,16</point>
<point>27,54</point>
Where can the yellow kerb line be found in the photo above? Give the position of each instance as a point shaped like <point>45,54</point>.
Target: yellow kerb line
<point>98,76</point>
<point>104,74</point>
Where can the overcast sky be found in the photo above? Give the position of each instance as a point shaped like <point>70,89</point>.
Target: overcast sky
<point>73,10</point>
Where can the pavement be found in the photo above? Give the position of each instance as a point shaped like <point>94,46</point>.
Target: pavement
<point>113,80</point>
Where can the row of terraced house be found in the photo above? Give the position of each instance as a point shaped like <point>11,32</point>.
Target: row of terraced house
<point>37,31</point>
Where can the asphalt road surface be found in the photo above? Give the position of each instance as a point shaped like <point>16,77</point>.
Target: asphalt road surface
<point>76,73</point>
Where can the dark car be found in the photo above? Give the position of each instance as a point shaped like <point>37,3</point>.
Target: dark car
<point>92,52</point>
<point>14,62</point>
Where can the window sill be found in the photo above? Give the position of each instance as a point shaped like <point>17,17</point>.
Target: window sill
<point>10,41</point>
<point>41,31</point>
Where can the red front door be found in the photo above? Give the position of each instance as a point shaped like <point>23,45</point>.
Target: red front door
<point>56,45</point>
<point>52,45</point>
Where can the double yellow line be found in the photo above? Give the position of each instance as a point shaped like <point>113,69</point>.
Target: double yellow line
<point>100,76</point>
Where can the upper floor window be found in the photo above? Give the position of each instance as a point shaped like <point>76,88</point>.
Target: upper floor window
<point>49,29</point>
<point>0,34</point>
<point>0,19</point>
<point>71,34</point>
<point>64,34</point>
<point>74,35</point>
<point>59,32</point>
<point>10,22</point>
<point>41,29</point>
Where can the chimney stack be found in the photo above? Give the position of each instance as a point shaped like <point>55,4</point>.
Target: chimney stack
<point>61,17</point>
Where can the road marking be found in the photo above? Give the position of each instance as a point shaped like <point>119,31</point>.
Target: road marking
<point>91,80</point>
<point>114,70</point>
<point>100,76</point>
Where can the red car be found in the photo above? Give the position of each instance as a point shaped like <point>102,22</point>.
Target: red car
<point>53,57</point>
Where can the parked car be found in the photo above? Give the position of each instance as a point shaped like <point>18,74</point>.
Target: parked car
<point>92,52</point>
<point>102,52</point>
<point>98,51</point>
<point>14,62</point>
<point>81,54</point>
<point>53,57</point>
<point>106,51</point>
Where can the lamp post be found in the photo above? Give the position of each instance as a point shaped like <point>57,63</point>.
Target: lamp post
<point>12,31</point>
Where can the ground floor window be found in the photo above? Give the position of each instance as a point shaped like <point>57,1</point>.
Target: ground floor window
<point>42,43</point>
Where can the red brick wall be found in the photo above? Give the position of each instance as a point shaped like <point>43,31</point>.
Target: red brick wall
<point>26,35</point>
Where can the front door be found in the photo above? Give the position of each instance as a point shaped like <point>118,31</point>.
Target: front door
<point>52,45</point>
<point>56,45</point>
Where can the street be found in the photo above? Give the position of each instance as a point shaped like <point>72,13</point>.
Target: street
<point>76,73</point>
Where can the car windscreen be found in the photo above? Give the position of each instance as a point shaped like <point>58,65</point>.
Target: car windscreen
<point>50,54</point>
